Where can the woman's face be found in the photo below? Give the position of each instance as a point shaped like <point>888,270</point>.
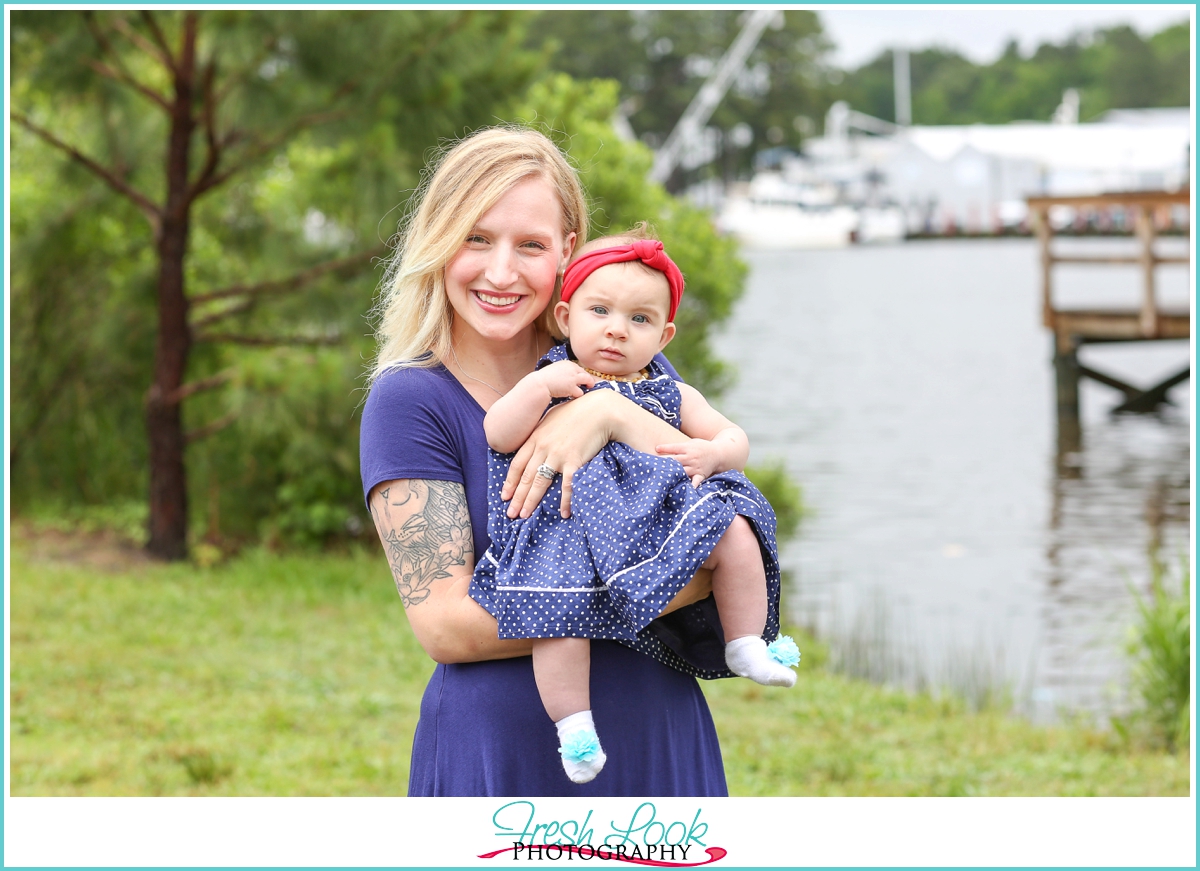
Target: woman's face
<point>503,276</point>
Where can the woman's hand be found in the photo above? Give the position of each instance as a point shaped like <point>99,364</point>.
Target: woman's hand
<point>572,434</point>
<point>564,440</point>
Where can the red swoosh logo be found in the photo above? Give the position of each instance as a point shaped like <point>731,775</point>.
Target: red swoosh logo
<point>714,854</point>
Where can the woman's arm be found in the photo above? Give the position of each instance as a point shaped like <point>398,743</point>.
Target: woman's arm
<point>426,533</point>
<point>570,435</point>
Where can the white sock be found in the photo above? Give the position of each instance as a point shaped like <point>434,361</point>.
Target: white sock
<point>747,656</point>
<point>582,756</point>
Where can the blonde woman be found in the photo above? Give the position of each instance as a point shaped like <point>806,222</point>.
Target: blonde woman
<point>465,315</point>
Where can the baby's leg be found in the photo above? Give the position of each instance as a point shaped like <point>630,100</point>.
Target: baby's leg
<point>562,671</point>
<point>739,582</point>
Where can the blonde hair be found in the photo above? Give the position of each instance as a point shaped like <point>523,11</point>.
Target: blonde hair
<point>459,187</point>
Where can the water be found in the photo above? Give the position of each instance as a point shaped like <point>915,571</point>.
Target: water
<point>909,390</point>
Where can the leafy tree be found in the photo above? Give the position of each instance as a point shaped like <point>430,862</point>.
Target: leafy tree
<point>187,186</point>
<point>1173,54</point>
<point>326,138</point>
<point>662,57</point>
<point>1113,68</point>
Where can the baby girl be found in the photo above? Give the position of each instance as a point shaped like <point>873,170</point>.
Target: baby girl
<point>640,525</point>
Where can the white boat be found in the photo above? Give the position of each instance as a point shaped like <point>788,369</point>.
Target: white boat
<point>772,213</point>
<point>781,226</point>
<point>881,224</point>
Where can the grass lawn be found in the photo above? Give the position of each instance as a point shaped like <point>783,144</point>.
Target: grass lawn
<point>298,675</point>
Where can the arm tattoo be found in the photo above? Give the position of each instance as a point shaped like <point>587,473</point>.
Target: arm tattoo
<point>425,529</point>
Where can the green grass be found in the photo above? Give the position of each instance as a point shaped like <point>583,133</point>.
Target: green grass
<point>298,675</point>
<point>832,735</point>
<point>269,676</point>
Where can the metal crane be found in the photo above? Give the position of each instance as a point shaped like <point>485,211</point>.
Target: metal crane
<point>693,119</point>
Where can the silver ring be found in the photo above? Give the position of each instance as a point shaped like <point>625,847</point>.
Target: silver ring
<point>545,471</point>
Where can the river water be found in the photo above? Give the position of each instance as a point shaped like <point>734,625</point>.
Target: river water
<point>909,391</point>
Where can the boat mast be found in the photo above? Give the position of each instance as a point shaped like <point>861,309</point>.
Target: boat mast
<point>692,121</point>
<point>902,87</point>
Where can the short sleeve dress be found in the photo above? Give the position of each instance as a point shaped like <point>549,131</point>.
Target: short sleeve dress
<point>638,531</point>
<point>482,729</point>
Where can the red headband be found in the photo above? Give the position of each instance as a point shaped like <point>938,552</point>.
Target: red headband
<point>649,251</point>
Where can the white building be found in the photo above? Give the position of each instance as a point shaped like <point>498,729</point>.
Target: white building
<point>976,176</point>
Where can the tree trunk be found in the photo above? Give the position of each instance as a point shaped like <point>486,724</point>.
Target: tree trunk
<point>164,421</point>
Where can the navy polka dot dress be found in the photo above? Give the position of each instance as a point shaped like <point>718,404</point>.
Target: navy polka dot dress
<point>637,534</point>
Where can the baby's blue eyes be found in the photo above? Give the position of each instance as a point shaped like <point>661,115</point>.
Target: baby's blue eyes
<point>603,310</point>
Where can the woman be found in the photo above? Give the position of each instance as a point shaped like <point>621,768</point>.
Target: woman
<point>465,315</point>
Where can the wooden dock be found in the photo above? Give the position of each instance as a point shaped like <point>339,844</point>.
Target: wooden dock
<point>1149,321</point>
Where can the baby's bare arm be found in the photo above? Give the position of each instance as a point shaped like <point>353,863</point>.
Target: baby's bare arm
<point>715,444</point>
<point>514,416</point>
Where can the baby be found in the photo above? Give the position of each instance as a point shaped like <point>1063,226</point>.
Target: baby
<point>641,525</point>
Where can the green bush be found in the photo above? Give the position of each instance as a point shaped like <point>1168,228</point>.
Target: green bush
<point>784,495</point>
<point>1159,647</point>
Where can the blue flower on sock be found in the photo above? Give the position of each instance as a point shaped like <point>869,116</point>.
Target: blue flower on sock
<point>784,651</point>
<point>581,746</point>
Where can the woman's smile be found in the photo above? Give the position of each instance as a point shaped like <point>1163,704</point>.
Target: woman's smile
<point>496,302</point>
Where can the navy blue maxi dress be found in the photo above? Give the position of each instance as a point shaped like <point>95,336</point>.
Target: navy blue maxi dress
<point>482,729</point>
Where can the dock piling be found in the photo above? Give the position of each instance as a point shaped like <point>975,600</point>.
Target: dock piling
<point>1072,328</point>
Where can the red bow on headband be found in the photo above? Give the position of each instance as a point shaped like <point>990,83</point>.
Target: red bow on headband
<point>649,251</point>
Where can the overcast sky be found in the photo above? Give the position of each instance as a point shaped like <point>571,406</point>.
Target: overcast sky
<point>979,32</point>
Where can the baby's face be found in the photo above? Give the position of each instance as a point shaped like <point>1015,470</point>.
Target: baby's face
<point>617,319</point>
